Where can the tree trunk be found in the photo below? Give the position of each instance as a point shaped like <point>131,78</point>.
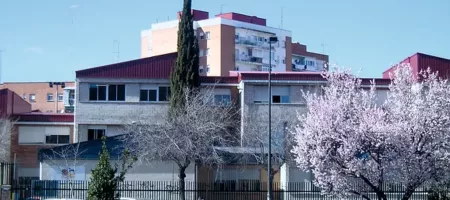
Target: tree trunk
<point>181,183</point>
<point>381,195</point>
<point>408,193</point>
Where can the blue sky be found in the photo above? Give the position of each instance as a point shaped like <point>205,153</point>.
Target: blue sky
<point>51,39</point>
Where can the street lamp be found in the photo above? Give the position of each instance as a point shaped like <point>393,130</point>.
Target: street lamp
<point>269,156</point>
<point>63,85</point>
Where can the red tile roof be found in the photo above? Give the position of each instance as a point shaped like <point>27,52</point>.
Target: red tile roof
<point>44,117</point>
<point>156,67</point>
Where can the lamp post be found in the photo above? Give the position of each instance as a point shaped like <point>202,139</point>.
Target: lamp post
<point>269,154</point>
<point>63,85</point>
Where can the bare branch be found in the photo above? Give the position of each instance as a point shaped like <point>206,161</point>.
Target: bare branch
<point>189,135</point>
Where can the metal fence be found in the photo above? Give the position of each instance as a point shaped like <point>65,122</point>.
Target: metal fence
<point>168,190</point>
<point>6,173</point>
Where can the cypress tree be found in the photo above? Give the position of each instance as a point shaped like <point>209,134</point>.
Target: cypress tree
<point>185,74</point>
<point>103,182</point>
<point>105,179</point>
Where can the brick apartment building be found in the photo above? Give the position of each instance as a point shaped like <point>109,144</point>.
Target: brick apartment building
<point>234,42</point>
<point>42,97</point>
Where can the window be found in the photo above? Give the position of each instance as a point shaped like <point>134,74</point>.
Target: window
<point>163,93</point>
<point>207,68</point>
<point>200,54</point>
<point>280,94</point>
<point>154,93</point>
<point>148,95</point>
<point>60,96</point>
<point>32,98</point>
<point>49,97</point>
<point>200,69</point>
<point>100,92</point>
<point>236,68</point>
<point>116,93</point>
<point>222,100</point>
<point>57,139</point>
<point>207,52</point>
<point>94,134</point>
<point>310,63</point>
<point>280,99</point>
<point>24,96</point>
<point>208,35</point>
<point>284,61</point>
<point>236,36</point>
<point>202,36</point>
<point>261,39</point>
<point>97,92</point>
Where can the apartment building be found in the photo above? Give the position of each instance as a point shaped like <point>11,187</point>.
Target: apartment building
<point>421,62</point>
<point>234,42</point>
<point>42,97</point>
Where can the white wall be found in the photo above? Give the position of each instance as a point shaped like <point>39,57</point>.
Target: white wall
<point>157,171</point>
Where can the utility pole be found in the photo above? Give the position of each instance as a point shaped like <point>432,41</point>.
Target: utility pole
<point>51,84</point>
<point>269,154</point>
<point>118,49</point>
<point>1,51</point>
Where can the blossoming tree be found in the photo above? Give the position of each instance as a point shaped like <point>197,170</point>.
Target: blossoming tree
<point>352,145</point>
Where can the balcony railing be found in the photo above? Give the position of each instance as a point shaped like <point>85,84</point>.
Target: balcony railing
<point>253,43</point>
<point>249,59</point>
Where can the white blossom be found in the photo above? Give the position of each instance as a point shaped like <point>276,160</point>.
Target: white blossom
<point>352,145</point>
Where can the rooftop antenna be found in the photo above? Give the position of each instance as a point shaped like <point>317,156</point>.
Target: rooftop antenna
<point>323,47</point>
<point>221,8</point>
<point>281,26</point>
<point>1,51</point>
<point>118,49</point>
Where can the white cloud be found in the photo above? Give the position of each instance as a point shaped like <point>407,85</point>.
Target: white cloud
<point>74,6</point>
<point>37,50</point>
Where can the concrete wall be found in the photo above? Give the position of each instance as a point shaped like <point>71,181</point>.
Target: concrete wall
<point>116,113</point>
<point>157,171</point>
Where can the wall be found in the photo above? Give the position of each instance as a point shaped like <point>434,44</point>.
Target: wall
<point>26,155</point>
<point>254,114</point>
<point>156,171</point>
<point>40,89</point>
<point>164,41</point>
<point>116,113</point>
<point>146,43</point>
<point>213,59</point>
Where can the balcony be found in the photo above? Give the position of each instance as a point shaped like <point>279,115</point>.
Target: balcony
<point>252,43</point>
<point>249,60</point>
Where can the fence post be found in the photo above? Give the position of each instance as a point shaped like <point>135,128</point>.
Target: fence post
<point>5,191</point>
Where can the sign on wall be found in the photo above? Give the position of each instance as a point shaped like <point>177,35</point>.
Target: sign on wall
<point>69,173</point>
